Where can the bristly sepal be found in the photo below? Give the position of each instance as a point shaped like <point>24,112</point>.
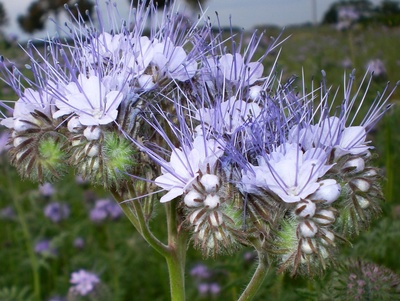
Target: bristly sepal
<point>104,159</point>
<point>38,149</point>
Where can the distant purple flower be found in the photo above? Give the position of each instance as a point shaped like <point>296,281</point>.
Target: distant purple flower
<point>249,256</point>
<point>56,211</point>
<point>105,209</point>
<point>7,213</point>
<point>214,288</point>
<point>46,189</point>
<point>377,67</point>
<point>203,289</point>
<point>79,243</point>
<point>43,247</point>
<point>200,271</point>
<point>4,141</point>
<point>83,282</point>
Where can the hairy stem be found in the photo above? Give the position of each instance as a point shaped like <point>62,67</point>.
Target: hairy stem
<point>257,279</point>
<point>134,212</point>
<point>177,242</point>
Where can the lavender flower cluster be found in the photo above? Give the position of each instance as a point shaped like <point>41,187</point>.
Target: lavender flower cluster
<point>250,159</point>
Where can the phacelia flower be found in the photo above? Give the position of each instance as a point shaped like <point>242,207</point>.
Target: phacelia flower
<point>290,173</point>
<point>24,116</point>
<point>105,209</point>
<point>56,211</point>
<point>45,248</point>
<point>90,100</point>
<point>185,164</point>
<point>84,282</point>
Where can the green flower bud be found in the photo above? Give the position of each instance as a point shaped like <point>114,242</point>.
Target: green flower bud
<point>105,160</point>
<point>305,244</point>
<point>39,155</point>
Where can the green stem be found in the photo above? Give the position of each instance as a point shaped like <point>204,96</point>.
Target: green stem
<point>176,259</point>
<point>134,212</point>
<point>257,279</point>
<point>174,253</point>
<point>28,239</point>
<point>176,270</point>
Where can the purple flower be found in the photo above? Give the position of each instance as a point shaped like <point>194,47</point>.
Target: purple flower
<point>185,165</point>
<point>7,213</point>
<point>46,189</point>
<point>79,243</point>
<point>288,172</point>
<point>56,211</point>
<point>200,271</point>
<point>105,209</point>
<point>203,288</point>
<point>215,289</point>
<point>377,67</point>
<point>29,101</point>
<point>44,247</point>
<point>4,136</point>
<point>83,282</point>
<point>90,99</point>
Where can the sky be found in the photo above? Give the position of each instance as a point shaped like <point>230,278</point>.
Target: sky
<point>244,13</point>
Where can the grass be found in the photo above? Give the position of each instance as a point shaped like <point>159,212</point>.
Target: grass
<point>128,267</point>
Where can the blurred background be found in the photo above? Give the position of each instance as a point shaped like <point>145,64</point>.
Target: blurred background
<point>25,19</point>
<point>49,231</point>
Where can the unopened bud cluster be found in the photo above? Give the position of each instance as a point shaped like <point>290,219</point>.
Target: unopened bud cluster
<point>211,215</point>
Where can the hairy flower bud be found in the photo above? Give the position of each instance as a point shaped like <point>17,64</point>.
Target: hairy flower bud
<point>39,155</point>
<point>211,214</point>
<point>359,200</point>
<point>104,160</point>
<point>359,280</point>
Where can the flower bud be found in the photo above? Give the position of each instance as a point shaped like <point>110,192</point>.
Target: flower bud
<point>74,126</point>
<point>212,201</point>
<point>193,199</point>
<point>105,161</point>
<point>324,217</point>
<point>39,156</point>
<point>360,184</point>
<point>210,183</point>
<point>92,133</point>
<point>329,191</point>
<point>354,165</point>
<point>307,246</point>
<point>363,202</point>
<point>305,208</point>
<point>308,229</point>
